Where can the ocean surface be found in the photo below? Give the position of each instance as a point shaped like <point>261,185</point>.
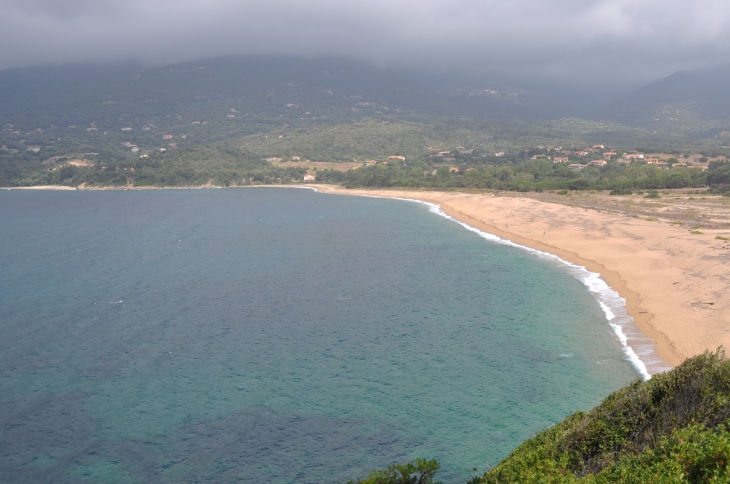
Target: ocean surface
<point>278,336</point>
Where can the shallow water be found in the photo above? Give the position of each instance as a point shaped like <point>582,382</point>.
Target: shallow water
<point>277,335</point>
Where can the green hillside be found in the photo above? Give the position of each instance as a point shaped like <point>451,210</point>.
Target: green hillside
<point>218,121</point>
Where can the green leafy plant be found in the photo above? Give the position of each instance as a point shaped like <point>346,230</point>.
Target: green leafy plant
<point>421,471</point>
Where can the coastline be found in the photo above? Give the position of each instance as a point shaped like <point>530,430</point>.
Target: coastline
<point>673,282</point>
<point>583,238</point>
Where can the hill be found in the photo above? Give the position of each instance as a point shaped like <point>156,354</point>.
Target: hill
<point>219,120</point>
<point>695,104</point>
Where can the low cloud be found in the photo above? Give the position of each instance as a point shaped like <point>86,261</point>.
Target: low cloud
<point>563,39</point>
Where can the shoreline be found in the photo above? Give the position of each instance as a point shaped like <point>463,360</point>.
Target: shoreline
<point>641,318</point>
<point>673,282</point>
<point>646,364</point>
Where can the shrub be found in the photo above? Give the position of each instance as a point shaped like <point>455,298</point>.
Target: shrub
<point>672,428</point>
<point>622,191</point>
<point>419,472</point>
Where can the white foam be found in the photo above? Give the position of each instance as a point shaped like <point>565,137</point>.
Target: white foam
<point>638,349</point>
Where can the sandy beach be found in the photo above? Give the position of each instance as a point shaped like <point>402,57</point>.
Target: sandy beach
<point>674,281</point>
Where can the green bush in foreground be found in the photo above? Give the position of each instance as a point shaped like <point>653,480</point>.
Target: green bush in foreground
<point>419,472</point>
<point>672,428</point>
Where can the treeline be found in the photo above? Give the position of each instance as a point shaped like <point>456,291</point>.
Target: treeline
<point>226,164</point>
<point>532,175</point>
<point>194,166</point>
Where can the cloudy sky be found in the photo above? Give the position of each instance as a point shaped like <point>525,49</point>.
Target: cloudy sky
<point>564,39</point>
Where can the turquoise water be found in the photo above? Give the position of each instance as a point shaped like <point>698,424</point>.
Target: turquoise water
<point>277,335</point>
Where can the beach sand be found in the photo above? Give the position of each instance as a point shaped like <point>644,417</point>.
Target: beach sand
<point>43,187</point>
<point>675,282</point>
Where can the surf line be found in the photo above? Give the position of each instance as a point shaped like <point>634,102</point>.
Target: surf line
<point>637,348</point>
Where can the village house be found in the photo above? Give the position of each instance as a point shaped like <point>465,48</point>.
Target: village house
<point>127,129</point>
<point>310,178</point>
<point>466,152</point>
<point>598,162</point>
<point>295,158</point>
<point>231,116</point>
<point>581,153</point>
<point>166,136</point>
<point>499,153</point>
<point>633,156</point>
<point>144,156</point>
<point>396,157</point>
<point>608,154</point>
<point>450,159</point>
<point>135,149</point>
<point>453,169</point>
<point>575,167</point>
<point>370,162</point>
<point>172,145</point>
<point>598,147</point>
<point>652,161</point>
<point>444,153</point>
<point>560,159</point>
<point>34,149</point>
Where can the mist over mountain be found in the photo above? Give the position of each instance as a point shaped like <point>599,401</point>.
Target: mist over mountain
<point>684,100</point>
<point>37,97</point>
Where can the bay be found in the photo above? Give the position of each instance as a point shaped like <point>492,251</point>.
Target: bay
<point>277,335</point>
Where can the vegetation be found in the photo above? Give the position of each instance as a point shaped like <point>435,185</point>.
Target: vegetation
<point>243,161</point>
<point>419,472</point>
<point>517,173</point>
<point>219,120</point>
<point>672,428</point>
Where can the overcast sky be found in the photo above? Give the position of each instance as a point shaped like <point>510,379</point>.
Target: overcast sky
<point>566,39</point>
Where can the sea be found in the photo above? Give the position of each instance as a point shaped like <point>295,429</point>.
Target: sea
<point>272,335</point>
